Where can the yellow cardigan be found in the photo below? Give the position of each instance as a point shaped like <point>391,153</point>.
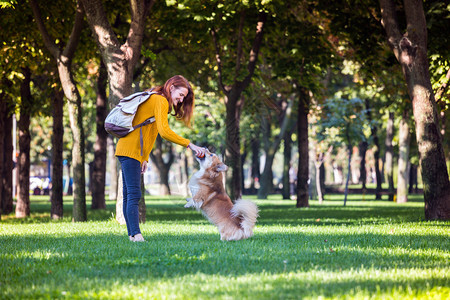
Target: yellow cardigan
<point>156,106</point>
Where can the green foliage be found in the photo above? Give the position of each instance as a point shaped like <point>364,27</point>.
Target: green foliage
<point>370,249</point>
<point>344,121</point>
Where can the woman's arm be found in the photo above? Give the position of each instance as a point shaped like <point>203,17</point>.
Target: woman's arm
<point>162,123</point>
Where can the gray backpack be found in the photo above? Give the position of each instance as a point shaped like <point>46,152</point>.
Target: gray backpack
<point>119,121</point>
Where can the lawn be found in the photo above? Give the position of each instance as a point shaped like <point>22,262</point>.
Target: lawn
<point>367,250</point>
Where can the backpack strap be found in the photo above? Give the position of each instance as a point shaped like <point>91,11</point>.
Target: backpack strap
<point>140,125</point>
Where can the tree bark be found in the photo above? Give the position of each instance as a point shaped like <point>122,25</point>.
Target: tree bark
<point>287,154</point>
<point>7,199</point>
<point>113,169</point>
<point>3,116</point>
<point>403,160</point>
<point>389,155</point>
<point>312,188</point>
<point>56,196</point>
<point>142,208</point>
<point>23,162</point>
<point>233,144</point>
<point>349,149</point>
<point>255,144</point>
<point>303,163</point>
<point>6,149</point>
<point>410,49</point>
<point>362,153</point>
<point>99,164</point>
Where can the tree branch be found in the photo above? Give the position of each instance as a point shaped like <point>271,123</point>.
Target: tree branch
<point>239,45</point>
<point>76,33</point>
<point>218,59</point>
<point>390,24</point>
<point>48,40</point>
<point>133,44</point>
<point>255,48</point>
<point>442,88</point>
<point>101,28</point>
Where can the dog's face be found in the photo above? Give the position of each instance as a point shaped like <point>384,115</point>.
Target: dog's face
<point>212,161</point>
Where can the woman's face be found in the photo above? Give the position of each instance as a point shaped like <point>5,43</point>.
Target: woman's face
<point>177,94</point>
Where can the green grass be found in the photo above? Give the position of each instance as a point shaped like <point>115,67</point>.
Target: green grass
<point>367,250</point>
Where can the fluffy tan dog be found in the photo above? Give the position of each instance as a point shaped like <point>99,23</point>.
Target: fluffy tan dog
<point>235,222</point>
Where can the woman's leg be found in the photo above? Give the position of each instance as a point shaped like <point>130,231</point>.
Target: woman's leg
<point>131,172</point>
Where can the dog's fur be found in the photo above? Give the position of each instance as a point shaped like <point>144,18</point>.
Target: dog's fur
<point>235,222</point>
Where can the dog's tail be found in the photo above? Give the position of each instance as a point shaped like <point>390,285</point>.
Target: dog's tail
<point>248,212</point>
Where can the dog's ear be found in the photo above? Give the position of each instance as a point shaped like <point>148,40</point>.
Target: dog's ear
<point>221,167</point>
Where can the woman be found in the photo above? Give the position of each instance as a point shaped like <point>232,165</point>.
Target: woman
<point>176,95</point>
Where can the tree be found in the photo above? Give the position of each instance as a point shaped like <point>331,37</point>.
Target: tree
<point>99,164</point>
<point>119,58</point>
<point>344,121</point>
<point>6,149</point>
<point>233,88</point>
<point>23,162</point>
<point>403,158</point>
<point>389,155</point>
<point>410,49</point>
<point>63,60</point>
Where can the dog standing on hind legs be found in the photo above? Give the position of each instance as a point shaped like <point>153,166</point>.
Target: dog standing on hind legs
<point>235,222</point>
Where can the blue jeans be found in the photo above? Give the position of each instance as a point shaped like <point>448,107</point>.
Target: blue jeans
<point>131,175</point>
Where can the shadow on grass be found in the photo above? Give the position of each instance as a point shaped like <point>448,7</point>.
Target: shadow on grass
<point>64,263</point>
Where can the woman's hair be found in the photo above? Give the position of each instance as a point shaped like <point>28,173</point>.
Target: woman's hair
<point>185,110</point>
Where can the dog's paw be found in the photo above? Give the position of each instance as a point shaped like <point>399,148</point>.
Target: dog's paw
<point>197,205</point>
<point>189,203</point>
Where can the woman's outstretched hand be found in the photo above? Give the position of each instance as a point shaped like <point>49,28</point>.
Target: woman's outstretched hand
<point>199,151</point>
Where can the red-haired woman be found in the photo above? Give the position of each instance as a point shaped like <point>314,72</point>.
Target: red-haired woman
<point>176,95</point>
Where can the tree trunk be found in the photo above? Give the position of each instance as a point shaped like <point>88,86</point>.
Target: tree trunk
<point>318,163</point>
<point>56,196</point>
<point>255,164</point>
<point>63,60</point>
<point>410,50</point>
<point>303,162</point>
<point>389,156</point>
<point>362,153</point>
<point>119,205</point>
<point>99,164</point>
<point>235,101</point>
<point>3,116</point>
<point>243,158</point>
<point>376,142</point>
<point>163,167</point>
<point>78,136</point>
<point>266,177</point>
<point>233,144</point>
<point>6,159</point>
<point>349,149</point>
<point>312,188</point>
<point>23,162</point>
<point>6,149</point>
<point>403,160</point>
<point>113,169</point>
<point>119,59</point>
<point>287,153</point>
<point>412,179</point>
<point>142,207</point>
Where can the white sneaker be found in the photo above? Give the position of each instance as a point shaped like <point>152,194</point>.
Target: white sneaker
<point>138,238</point>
